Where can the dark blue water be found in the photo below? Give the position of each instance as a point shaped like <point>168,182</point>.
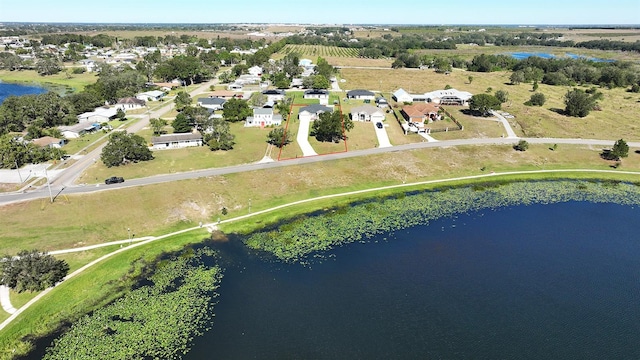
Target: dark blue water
<point>7,90</point>
<point>555,281</point>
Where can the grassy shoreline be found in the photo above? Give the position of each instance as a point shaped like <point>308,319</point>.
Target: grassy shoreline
<point>83,293</point>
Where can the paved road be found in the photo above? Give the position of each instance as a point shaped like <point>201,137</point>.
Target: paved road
<point>80,189</point>
<point>5,301</point>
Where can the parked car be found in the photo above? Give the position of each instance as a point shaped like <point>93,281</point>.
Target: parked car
<point>114,180</point>
<point>379,125</point>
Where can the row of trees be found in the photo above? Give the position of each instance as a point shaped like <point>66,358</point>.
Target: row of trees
<point>31,271</point>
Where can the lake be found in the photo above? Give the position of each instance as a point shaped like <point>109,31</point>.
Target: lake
<point>524,55</point>
<point>7,90</point>
<point>559,281</point>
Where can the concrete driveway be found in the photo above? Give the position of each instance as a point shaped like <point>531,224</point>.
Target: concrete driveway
<point>383,138</point>
<point>303,139</point>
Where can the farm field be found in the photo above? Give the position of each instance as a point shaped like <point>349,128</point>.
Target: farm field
<point>334,55</point>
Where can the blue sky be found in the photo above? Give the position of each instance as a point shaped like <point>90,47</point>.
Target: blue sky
<point>428,12</point>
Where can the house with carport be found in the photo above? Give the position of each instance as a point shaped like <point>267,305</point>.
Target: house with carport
<point>153,95</point>
<point>99,115</point>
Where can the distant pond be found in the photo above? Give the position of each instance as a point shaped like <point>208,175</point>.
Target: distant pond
<point>524,55</point>
<point>7,89</point>
<point>555,281</point>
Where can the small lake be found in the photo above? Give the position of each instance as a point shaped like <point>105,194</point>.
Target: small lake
<point>524,55</point>
<point>559,281</point>
<point>7,90</point>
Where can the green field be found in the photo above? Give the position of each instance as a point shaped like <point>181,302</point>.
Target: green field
<point>73,82</point>
<point>313,51</point>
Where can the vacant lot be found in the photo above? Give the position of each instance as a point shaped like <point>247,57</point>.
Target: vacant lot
<point>617,118</point>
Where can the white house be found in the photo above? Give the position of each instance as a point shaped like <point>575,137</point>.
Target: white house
<point>48,141</point>
<point>255,70</point>
<point>320,94</point>
<point>367,112</point>
<point>153,95</point>
<point>402,96</point>
<point>130,103</point>
<point>361,94</point>
<point>448,97</point>
<point>312,111</point>
<point>274,95</point>
<point>235,86</point>
<point>77,130</point>
<point>382,102</point>
<point>305,62</point>
<point>212,103</point>
<point>263,117</point>
<point>99,115</point>
<point>176,141</point>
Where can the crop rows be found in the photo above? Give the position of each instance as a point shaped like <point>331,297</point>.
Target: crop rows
<point>314,51</point>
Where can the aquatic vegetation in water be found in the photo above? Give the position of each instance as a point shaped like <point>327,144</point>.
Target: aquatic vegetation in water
<point>155,321</point>
<point>305,236</point>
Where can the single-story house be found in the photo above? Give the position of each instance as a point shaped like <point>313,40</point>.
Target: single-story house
<point>367,112</point>
<point>420,113</point>
<point>77,130</point>
<point>153,95</point>
<point>99,115</point>
<point>224,94</point>
<point>176,141</point>
<point>312,111</point>
<point>212,103</point>
<point>296,83</point>
<point>320,94</point>
<point>382,102</point>
<point>274,95</point>
<point>255,71</point>
<point>448,97</point>
<point>48,141</point>
<point>305,62</point>
<point>130,103</point>
<point>361,94</point>
<point>263,117</point>
<point>402,96</point>
<point>235,86</point>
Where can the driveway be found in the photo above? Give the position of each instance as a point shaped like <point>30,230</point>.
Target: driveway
<point>383,138</point>
<point>510,133</point>
<point>303,139</point>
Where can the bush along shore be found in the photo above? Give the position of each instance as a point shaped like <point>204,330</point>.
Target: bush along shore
<point>158,320</point>
<point>302,236</point>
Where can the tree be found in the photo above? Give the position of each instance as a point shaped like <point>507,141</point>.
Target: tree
<point>32,271</point>
<point>483,103</point>
<point>283,107</point>
<point>182,124</point>
<point>48,66</point>
<point>258,99</point>
<point>320,82</point>
<point>578,103</point>
<point>279,137</point>
<point>502,96</point>
<point>123,148</point>
<point>324,68</point>
<point>120,114</point>
<point>157,125</point>
<point>517,77</point>
<point>470,78</point>
<point>620,150</point>
<point>235,110</point>
<point>329,127</point>
<point>537,99</point>
<point>522,145</point>
<point>218,136</point>
<point>182,100</point>
<point>535,85</point>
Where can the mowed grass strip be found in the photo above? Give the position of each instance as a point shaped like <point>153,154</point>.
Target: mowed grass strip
<point>77,82</point>
<point>80,220</point>
<point>617,118</point>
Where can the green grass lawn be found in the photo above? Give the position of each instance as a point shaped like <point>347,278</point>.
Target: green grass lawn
<point>76,82</point>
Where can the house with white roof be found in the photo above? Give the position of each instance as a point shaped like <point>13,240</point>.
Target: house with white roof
<point>401,96</point>
<point>263,117</point>
<point>255,70</point>
<point>99,115</point>
<point>130,103</point>
<point>442,97</point>
<point>153,95</point>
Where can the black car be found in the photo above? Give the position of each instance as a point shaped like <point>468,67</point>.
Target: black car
<point>379,125</point>
<point>114,180</point>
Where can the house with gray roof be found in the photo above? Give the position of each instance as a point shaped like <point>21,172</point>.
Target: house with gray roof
<point>312,111</point>
<point>212,103</point>
<point>360,94</point>
<point>176,141</point>
<point>367,112</point>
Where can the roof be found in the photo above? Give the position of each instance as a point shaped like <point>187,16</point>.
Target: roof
<point>316,108</point>
<point>222,93</point>
<point>152,93</point>
<point>420,109</point>
<point>359,92</point>
<point>78,127</point>
<point>316,92</point>
<point>167,84</point>
<point>381,100</point>
<point>438,94</point>
<point>175,137</point>
<point>366,108</point>
<point>46,141</point>
<point>262,111</point>
<point>274,92</point>
<point>131,100</point>
<point>211,101</point>
<point>401,93</point>
<point>100,111</point>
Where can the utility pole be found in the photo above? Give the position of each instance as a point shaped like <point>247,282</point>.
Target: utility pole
<point>129,232</point>
<point>249,206</point>
<point>48,185</point>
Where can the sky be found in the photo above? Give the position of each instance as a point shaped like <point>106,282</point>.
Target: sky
<point>423,12</point>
